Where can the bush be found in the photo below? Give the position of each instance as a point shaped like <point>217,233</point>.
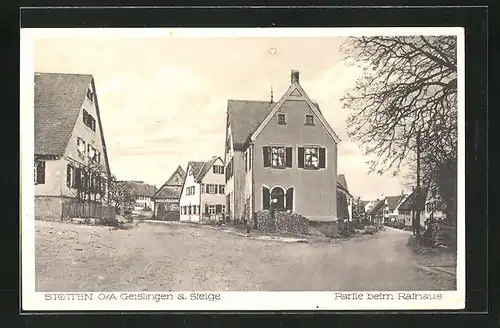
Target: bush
<point>265,222</point>
<point>291,223</point>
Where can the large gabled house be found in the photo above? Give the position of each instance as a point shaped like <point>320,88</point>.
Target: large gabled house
<point>281,153</point>
<point>70,157</point>
<point>166,199</point>
<point>202,193</point>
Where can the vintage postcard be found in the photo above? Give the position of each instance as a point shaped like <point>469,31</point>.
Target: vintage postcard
<point>242,169</point>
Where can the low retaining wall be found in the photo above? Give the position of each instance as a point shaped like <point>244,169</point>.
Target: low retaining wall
<point>49,208</point>
<point>328,229</point>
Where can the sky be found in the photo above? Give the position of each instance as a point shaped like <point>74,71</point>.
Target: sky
<point>163,100</point>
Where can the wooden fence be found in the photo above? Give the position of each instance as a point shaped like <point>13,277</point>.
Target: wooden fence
<point>88,210</point>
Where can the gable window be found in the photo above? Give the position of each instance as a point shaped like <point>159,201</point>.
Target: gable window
<point>39,172</point>
<point>281,118</point>
<point>312,157</point>
<point>221,189</point>
<point>277,156</point>
<point>80,146</point>
<point>218,169</point>
<point>90,94</point>
<point>89,120</point>
<point>202,188</point>
<point>309,119</point>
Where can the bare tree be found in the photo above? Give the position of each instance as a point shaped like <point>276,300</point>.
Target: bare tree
<point>120,193</point>
<point>409,86</point>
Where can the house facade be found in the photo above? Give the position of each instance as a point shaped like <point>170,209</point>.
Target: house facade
<point>391,209</point>
<point>70,157</point>
<point>166,199</point>
<point>344,199</point>
<point>202,193</point>
<point>143,195</point>
<point>284,154</point>
<point>408,205</point>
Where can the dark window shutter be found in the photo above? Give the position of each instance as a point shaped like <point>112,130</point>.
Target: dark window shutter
<point>300,157</point>
<point>206,208</point>
<point>40,172</point>
<point>265,154</point>
<point>265,198</point>
<point>222,169</point>
<point>68,175</point>
<point>214,169</point>
<point>289,199</point>
<point>288,156</point>
<point>322,158</point>
<point>218,208</point>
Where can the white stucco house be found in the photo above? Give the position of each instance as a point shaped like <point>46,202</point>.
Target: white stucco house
<point>202,194</point>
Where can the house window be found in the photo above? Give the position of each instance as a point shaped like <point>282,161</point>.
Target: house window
<point>89,120</point>
<point>218,169</point>
<point>312,157</point>
<point>80,146</point>
<point>189,209</point>
<point>194,209</point>
<point>202,188</point>
<point>39,172</point>
<point>90,94</point>
<point>221,189</point>
<point>309,119</point>
<point>277,156</point>
<point>211,209</point>
<point>281,118</point>
<point>211,189</point>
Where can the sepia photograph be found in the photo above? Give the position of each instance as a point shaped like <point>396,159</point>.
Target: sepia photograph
<point>242,169</point>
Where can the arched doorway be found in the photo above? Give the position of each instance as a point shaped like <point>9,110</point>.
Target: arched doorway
<point>278,198</point>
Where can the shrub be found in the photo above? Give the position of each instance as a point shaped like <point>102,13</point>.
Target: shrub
<point>265,222</point>
<point>291,223</point>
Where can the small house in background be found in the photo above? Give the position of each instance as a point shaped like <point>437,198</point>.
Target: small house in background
<point>375,213</point>
<point>202,194</point>
<point>166,199</point>
<point>391,209</point>
<point>143,195</point>
<point>344,199</point>
<point>409,204</point>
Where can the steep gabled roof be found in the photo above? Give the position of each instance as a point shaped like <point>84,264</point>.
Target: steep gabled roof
<point>139,188</point>
<point>411,200</point>
<point>206,167</point>
<point>170,189</point>
<point>244,117</point>
<point>378,206</point>
<point>393,201</point>
<point>178,170</point>
<point>58,100</point>
<point>296,89</point>
<point>196,167</point>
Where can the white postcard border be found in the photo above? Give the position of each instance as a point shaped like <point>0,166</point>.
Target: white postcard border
<point>37,301</point>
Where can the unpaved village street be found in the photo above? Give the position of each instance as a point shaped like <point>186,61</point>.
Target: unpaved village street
<point>177,257</point>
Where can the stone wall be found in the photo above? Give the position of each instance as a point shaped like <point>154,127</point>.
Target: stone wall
<point>48,208</point>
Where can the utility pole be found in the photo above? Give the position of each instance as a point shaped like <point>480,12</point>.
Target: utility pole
<point>417,198</point>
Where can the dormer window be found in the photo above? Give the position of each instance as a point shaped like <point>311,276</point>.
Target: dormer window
<point>281,118</point>
<point>309,119</point>
<point>90,94</point>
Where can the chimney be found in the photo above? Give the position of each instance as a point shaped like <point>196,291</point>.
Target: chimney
<point>295,76</point>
